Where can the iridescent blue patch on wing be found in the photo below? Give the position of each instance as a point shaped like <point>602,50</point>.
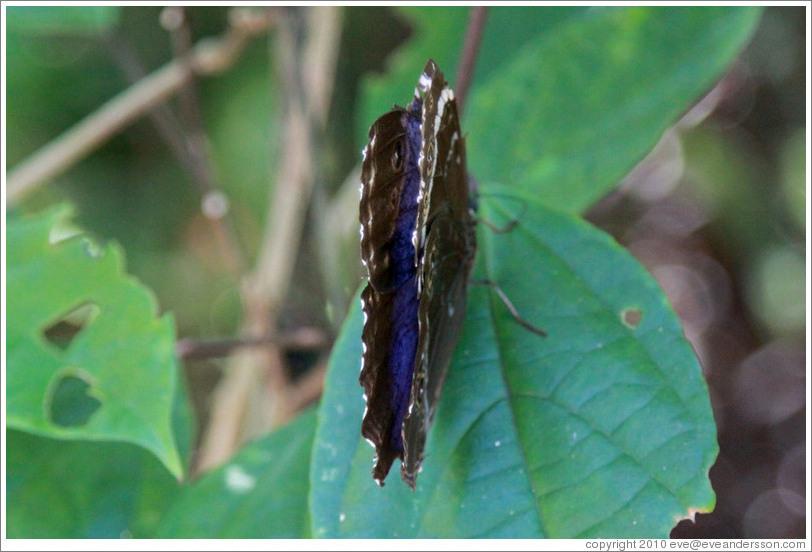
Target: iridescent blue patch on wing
<point>417,243</point>
<point>403,345</point>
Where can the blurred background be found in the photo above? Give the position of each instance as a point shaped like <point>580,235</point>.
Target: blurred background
<point>717,211</point>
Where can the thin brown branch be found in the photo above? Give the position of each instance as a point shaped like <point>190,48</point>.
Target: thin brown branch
<point>305,391</point>
<point>473,38</point>
<point>307,77</point>
<point>175,19</point>
<point>161,116</point>
<point>302,339</point>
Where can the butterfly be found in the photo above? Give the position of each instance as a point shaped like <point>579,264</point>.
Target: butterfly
<point>418,244</point>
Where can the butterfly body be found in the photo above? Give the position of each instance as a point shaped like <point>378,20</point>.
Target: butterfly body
<point>418,245</point>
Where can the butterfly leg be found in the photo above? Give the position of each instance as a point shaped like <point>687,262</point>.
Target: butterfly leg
<point>513,312</point>
<point>499,229</point>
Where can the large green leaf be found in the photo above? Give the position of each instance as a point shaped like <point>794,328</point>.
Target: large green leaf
<point>261,493</point>
<point>602,429</point>
<point>115,379</point>
<point>572,112</point>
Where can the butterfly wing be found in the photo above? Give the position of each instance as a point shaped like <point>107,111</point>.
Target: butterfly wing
<point>382,178</point>
<point>445,248</point>
<point>388,213</point>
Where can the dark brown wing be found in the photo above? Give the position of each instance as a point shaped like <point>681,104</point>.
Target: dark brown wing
<point>382,177</point>
<point>379,415</point>
<point>388,211</point>
<point>446,246</point>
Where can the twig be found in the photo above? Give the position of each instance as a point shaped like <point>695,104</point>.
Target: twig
<point>162,117</point>
<point>175,19</point>
<point>73,145</point>
<point>465,70</point>
<point>305,391</point>
<point>291,191</point>
<point>302,339</point>
<point>307,104</point>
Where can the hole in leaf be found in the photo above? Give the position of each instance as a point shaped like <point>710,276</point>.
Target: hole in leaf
<point>631,317</point>
<point>71,406</point>
<point>62,332</point>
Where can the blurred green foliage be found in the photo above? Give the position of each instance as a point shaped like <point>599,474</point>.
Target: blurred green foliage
<point>653,63</point>
<point>76,20</point>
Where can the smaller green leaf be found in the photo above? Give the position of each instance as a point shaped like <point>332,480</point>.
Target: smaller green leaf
<point>260,494</point>
<point>114,379</point>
